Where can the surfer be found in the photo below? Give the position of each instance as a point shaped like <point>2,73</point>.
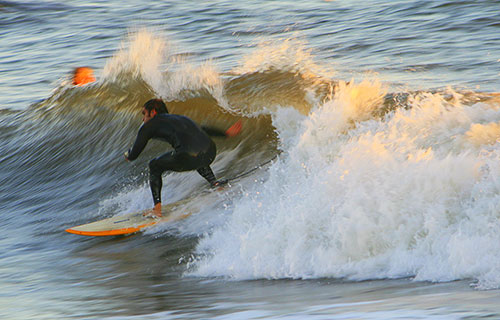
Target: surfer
<point>83,75</point>
<point>193,148</point>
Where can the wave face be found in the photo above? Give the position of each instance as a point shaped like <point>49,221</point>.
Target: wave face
<point>364,184</point>
<point>68,149</point>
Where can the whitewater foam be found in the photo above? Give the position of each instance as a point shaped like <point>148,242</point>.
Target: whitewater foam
<point>362,197</point>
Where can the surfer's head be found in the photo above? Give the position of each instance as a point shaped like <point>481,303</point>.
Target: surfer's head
<point>83,75</point>
<point>152,108</point>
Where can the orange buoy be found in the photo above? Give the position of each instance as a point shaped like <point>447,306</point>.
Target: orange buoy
<point>83,75</point>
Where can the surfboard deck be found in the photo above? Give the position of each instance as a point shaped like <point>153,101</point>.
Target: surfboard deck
<point>125,224</point>
<point>136,221</point>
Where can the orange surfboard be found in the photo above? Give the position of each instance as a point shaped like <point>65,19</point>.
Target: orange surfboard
<point>124,224</point>
<point>134,222</point>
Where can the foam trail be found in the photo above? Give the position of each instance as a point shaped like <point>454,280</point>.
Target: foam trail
<point>406,195</point>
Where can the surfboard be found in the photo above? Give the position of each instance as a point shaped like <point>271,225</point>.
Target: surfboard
<point>137,221</point>
<point>126,224</point>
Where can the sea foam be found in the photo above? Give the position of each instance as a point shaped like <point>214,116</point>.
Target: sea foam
<point>414,193</point>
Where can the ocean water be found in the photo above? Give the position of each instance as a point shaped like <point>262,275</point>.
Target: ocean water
<point>370,137</point>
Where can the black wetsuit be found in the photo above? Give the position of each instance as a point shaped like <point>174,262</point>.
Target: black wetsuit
<point>193,148</point>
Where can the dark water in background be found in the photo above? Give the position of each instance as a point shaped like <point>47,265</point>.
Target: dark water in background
<point>393,175</point>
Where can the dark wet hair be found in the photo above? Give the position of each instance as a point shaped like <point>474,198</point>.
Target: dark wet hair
<point>156,104</point>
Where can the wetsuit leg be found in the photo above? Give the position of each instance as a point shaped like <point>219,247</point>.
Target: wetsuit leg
<point>180,161</point>
<point>204,161</point>
<point>208,174</point>
<point>157,166</point>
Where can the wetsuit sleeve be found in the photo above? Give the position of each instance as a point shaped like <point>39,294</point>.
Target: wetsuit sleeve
<point>214,132</point>
<point>140,143</point>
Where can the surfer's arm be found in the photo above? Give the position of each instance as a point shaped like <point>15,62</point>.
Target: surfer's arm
<point>213,132</point>
<point>231,132</point>
<point>140,143</point>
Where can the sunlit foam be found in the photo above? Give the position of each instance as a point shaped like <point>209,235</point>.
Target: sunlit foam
<point>480,134</point>
<point>290,54</point>
<point>359,197</point>
<point>142,54</point>
<point>148,55</point>
<point>187,76</point>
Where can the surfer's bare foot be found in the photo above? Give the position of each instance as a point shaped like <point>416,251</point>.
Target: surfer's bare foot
<point>219,184</point>
<point>156,212</point>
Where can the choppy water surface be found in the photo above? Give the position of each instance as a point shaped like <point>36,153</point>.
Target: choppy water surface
<point>374,129</point>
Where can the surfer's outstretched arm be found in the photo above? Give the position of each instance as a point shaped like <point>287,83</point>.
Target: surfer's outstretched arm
<point>231,132</point>
<point>234,130</point>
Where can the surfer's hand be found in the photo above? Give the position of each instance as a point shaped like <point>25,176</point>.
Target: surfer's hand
<point>126,155</point>
<point>234,129</point>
